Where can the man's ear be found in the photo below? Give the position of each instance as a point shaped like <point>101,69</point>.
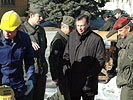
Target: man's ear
<point>30,15</point>
<point>89,24</point>
<point>129,28</point>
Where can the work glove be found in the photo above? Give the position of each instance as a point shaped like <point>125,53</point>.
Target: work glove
<point>29,84</point>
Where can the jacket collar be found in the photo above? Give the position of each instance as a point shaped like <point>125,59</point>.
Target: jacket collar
<point>127,40</point>
<point>31,29</point>
<point>63,35</point>
<point>14,40</point>
<point>85,34</point>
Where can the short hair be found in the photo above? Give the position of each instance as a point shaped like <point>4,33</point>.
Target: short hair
<point>117,11</point>
<point>129,24</point>
<point>106,15</point>
<point>83,16</point>
<point>33,13</point>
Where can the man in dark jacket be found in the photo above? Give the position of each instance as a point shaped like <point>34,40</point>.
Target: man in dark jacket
<point>15,48</point>
<point>85,57</point>
<point>109,23</point>
<point>39,43</point>
<point>125,59</point>
<point>57,47</point>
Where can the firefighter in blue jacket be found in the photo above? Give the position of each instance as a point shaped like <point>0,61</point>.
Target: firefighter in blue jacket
<point>15,48</point>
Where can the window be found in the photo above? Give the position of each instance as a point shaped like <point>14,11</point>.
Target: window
<point>8,2</point>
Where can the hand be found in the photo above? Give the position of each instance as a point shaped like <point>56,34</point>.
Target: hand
<point>105,38</point>
<point>29,84</point>
<point>56,81</point>
<point>35,46</point>
<point>66,69</point>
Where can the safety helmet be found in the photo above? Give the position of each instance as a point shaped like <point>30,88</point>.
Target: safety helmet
<point>10,21</point>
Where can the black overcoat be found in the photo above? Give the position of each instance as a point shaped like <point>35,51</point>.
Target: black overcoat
<point>85,56</point>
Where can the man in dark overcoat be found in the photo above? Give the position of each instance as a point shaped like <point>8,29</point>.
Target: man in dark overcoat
<point>85,57</point>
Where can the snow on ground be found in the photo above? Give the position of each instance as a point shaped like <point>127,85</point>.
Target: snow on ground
<point>108,91</point>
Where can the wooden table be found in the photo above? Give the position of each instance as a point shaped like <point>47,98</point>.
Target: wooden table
<point>104,33</point>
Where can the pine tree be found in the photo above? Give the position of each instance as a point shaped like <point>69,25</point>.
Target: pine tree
<point>54,10</point>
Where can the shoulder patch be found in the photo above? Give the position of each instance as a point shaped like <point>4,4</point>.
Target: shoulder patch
<point>56,52</point>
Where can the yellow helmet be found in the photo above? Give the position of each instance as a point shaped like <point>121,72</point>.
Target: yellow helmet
<point>10,21</point>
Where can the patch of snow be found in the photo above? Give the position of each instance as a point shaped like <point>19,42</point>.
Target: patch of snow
<point>108,91</point>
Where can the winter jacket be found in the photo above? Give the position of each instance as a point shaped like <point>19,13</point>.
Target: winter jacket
<point>38,35</point>
<point>125,63</point>
<point>85,57</point>
<point>57,47</point>
<point>12,55</point>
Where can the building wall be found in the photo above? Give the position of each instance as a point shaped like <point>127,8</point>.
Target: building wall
<point>20,7</point>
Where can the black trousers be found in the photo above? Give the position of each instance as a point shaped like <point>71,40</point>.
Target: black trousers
<point>38,91</point>
<point>39,87</point>
<point>19,96</point>
<point>64,89</point>
<point>84,97</point>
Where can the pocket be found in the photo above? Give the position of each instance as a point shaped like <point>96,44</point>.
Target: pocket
<point>131,61</point>
<point>19,53</point>
<point>124,77</point>
<point>130,56</point>
<point>129,77</point>
<point>6,55</point>
<point>120,81</point>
